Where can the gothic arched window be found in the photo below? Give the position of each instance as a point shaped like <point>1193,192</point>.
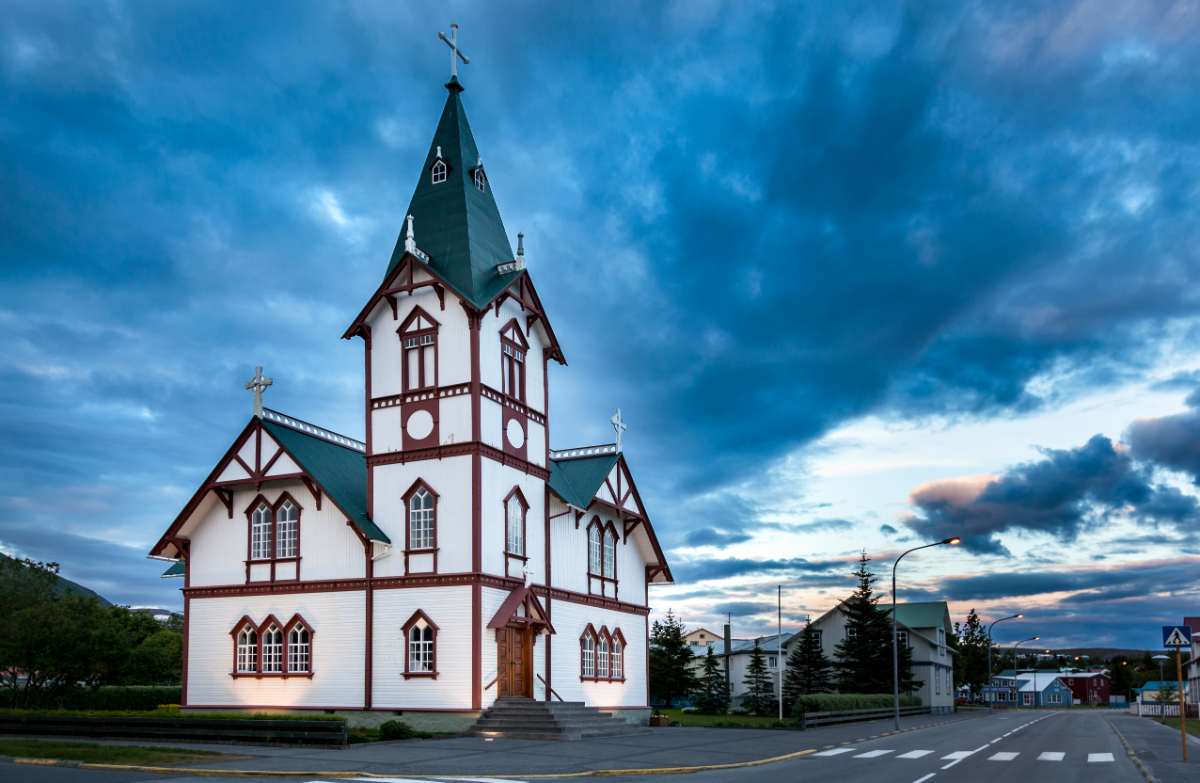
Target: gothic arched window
<point>595,548</point>
<point>513,348</point>
<point>420,646</point>
<point>480,179</point>
<point>287,529</point>
<point>422,517</point>
<point>602,655</point>
<point>438,172</point>
<point>587,654</point>
<point>272,650</point>
<point>617,655</point>
<point>418,341</point>
<point>610,553</point>
<point>260,532</point>
<point>299,647</point>
<point>514,523</point>
<point>246,649</point>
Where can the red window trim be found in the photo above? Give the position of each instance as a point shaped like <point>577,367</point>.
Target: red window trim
<point>524,527</point>
<point>606,529</point>
<point>408,547</point>
<point>403,332</point>
<point>609,636</point>
<point>285,629</point>
<point>417,616</point>
<point>259,499</point>
<point>512,336</point>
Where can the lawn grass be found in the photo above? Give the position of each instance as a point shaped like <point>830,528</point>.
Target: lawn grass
<point>99,754</point>
<point>1193,725</point>
<point>165,712</point>
<point>726,721</point>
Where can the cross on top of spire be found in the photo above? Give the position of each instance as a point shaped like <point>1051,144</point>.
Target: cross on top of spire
<point>619,426</point>
<point>455,53</point>
<point>258,384</point>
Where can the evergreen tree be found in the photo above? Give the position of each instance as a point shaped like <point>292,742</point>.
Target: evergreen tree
<point>864,657</point>
<point>712,696</point>
<point>671,676</point>
<point>759,690</point>
<point>970,665</point>
<point>807,668</point>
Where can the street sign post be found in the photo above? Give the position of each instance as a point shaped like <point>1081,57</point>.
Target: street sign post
<point>1179,637</point>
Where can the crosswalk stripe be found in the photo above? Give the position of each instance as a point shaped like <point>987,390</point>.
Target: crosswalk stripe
<point>873,754</point>
<point>1052,755</point>
<point>1099,757</point>
<point>914,754</point>
<point>956,755</point>
<point>1004,755</point>
<point>835,752</point>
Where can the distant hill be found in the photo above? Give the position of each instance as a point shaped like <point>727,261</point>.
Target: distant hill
<point>1101,653</point>
<point>67,587</point>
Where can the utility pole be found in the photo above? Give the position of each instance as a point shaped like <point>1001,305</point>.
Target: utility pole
<point>779,647</point>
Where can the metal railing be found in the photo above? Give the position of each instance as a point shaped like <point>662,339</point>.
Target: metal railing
<point>546,686</point>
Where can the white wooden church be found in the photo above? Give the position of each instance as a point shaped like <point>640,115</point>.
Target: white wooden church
<point>453,557</point>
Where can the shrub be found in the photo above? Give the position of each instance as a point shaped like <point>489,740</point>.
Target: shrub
<point>835,702</point>
<point>396,729</point>
<point>108,697</point>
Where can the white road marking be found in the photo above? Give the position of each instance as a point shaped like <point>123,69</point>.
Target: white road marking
<point>1052,755</point>
<point>964,753</point>
<point>927,777</point>
<point>873,754</point>
<point>1099,757</point>
<point>1004,755</point>
<point>958,754</point>
<point>914,754</point>
<point>835,752</point>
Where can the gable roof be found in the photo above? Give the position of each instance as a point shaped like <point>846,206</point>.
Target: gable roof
<point>923,614</point>
<point>457,224</point>
<point>577,479</point>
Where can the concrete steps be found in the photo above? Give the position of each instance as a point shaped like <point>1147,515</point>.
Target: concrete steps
<point>520,718</point>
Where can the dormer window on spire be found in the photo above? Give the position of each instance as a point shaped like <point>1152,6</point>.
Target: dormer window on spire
<point>438,173</point>
<point>480,177</point>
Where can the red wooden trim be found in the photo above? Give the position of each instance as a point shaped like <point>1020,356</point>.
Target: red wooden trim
<point>369,625</point>
<point>417,617</point>
<point>297,619</point>
<point>420,483</point>
<point>187,616</point>
<point>516,490</point>
<point>472,448</point>
<point>313,489</point>
<point>474,319</point>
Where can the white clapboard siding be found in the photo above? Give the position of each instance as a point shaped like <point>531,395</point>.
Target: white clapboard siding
<point>570,619</point>
<point>450,609</point>
<point>336,619</point>
<point>498,481</point>
<point>449,477</point>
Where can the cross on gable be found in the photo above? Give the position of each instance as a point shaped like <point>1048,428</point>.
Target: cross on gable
<point>619,427</point>
<point>455,53</point>
<point>258,384</point>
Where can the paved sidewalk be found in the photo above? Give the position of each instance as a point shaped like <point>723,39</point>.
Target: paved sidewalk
<point>643,749</point>
<point>1157,747</point>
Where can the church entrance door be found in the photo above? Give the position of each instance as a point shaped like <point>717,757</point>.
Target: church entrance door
<point>514,661</point>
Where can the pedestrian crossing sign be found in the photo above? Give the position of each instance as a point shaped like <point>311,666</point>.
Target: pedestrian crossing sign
<point>1177,636</point>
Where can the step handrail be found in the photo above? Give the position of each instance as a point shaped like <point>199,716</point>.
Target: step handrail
<point>546,685</point>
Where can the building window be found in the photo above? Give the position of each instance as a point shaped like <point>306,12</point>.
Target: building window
<point>817,632</point>
<point>587,654</point>
<point>851,632</point>
<point>299,649</point>
<point>512,360</point>
<point>420,638</point>
<point>595,564</point>
<point>514,523</point>
<point>480,179</point>
<point>260,532</point>
<point>902,638</point>
<point>772,662</point>
<point>247,650</point>
<point>287,530</point>
<point>438,172</point>
<point>421,506</point>
<point>602,549</point>
<point>418,342</point>
<point>602,656</point>
<point>941,640</point>
<point>272,650</point>
<point>610,554</point>
<point>618,656</point>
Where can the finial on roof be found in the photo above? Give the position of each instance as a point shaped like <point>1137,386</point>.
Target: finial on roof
<point>520,250</point>
<point>258,384</point>
<point>410,243</point>
<point>455,55</point>
<point>619,426</point>
<point>439,152</point>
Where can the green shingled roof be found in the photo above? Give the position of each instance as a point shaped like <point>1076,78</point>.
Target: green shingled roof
<point>457,224</point>
<point>176,569</point>
<point>341,471</point>
<point>577,480</point>
<point>927,614</point>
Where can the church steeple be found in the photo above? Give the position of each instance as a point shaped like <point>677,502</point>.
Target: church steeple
<point>456,221</point>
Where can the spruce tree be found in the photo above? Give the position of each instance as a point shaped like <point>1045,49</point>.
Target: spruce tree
<point>807,668</point>
<point>864,657</point>
<point>970,665</point>
<point>758,698</point>
<point>712,695</point>
<point>670,675</point>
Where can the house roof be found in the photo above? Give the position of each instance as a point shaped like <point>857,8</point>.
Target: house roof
<point>1037,681</point>
<point>176,569</point>
<point>577,479</point>
<point>923,614</point>
<point>746,646</point>
<point>454,222</point>
<point>340,470</point>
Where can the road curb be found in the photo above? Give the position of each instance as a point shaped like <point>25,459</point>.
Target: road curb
<point>208,772</point>
<point>1133,756</point>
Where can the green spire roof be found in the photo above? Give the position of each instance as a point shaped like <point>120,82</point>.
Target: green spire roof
<point>457,224</point>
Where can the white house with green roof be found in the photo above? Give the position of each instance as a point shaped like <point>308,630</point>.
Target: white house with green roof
<point>925,627</point>
<point>450,557</point>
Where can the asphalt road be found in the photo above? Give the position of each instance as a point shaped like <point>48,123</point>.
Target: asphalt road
<point>1014,747</point>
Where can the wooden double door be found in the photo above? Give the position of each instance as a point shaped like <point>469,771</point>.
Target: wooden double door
<point>514,661</point>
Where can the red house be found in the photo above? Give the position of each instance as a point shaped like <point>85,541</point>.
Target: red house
<point>1088,687</point>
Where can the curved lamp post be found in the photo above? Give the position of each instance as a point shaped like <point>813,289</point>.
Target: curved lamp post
<point>953,540</point>
<point>993,624</point>
<point>1016,666</point>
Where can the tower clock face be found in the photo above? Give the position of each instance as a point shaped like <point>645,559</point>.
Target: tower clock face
<point>515,434</point>
<point>419,425</point>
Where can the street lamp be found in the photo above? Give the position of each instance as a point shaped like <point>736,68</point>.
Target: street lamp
<point>1160,659</point>
<point>1016,616</point>
<point>953,541</point>
<point>1017,666</point>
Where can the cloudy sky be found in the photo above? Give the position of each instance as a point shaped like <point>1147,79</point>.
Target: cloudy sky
<point>859,278</point>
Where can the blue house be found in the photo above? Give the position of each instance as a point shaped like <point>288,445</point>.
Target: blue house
<point>1029,689</point>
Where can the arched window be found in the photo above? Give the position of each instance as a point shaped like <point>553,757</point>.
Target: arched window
<point>272,650</point>
<point>587,654</point>
<point>247,650</point>
<point>438,172</point>
<point>418,340</point>
<point>618,655</point>
<point>610,553</point>
<point>260,532</point>
<point>299,649</point>
<point>513,347</point>
<point>420,646</point>
<point>595,561</point>
<point>421,517</point>
<point>287,529</point>
<point>514,523</point>
<point>480,179</point>
<point>602,656</point>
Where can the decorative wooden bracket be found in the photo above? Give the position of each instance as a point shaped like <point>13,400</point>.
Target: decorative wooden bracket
<point>226,498</point>
<point>314,489</point>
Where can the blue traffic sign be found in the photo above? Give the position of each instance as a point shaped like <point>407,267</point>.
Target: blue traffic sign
<point>1177,636</point>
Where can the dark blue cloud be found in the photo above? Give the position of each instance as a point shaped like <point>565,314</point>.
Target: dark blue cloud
<point>707,536</point>
<point>797,569</point>
<point>1171,441</point>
